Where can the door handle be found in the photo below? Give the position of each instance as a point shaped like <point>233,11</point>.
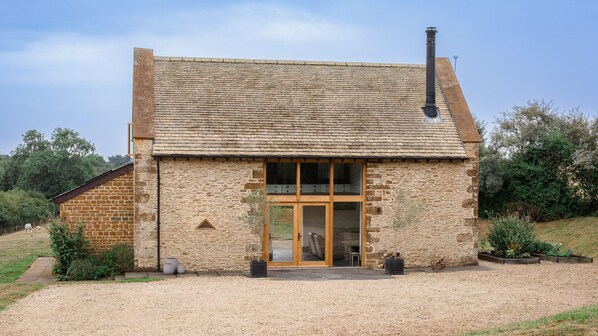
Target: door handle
<point>298,236</point>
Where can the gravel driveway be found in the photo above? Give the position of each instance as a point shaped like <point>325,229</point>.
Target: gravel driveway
<point>420,303</point>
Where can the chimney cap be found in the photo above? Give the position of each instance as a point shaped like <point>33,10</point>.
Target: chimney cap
<point>431,30</point>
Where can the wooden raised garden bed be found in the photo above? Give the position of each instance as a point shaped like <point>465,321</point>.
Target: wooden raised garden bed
<point>489,257</point>
<point>572,259</point>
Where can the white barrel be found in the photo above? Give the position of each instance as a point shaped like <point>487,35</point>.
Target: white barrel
<point>169,268</point>
<point>173,261</point>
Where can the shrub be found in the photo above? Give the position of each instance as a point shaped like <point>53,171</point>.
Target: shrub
<point>82,269</point>
<point>512,236</point>
<point>542,247</point>
<point>67,246</point>
<point>550,249</point>
<point>118,260</point>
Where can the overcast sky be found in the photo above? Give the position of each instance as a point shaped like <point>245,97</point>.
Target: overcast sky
<point>69,63</point>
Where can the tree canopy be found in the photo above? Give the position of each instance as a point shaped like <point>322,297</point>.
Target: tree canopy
<point>54,165</point>
<point>540,162</point>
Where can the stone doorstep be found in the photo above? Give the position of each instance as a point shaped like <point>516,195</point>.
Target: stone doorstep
<point>135,275</point>
<point>160,275</point>
<point>230,273</point>
<point>187,275</point>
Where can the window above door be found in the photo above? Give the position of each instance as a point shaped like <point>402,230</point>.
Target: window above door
<point>314,179</point>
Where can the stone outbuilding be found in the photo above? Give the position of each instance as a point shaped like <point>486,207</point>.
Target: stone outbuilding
<point>356,159</point>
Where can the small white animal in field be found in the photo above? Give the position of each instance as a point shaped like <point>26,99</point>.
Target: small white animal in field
<point>28,227</point>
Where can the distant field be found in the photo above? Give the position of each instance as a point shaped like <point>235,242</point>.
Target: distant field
<point>17,252</point>
<point>578,234</point>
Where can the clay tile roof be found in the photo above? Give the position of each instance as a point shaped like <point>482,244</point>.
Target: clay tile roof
<point>259,108</point>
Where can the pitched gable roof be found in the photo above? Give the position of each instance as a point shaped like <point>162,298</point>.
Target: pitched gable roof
<point>256,108</point>
<point>92,183</point>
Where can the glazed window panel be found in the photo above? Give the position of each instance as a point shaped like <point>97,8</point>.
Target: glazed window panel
<point>315,178</point>
<point>347,234</point>
<point>347,178</point>
<point>281,178</point>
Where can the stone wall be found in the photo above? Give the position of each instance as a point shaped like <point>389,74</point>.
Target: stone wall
<point>145,182</point>
<point>106,211</point>
<point>443,195</point>
<point>195,190</point>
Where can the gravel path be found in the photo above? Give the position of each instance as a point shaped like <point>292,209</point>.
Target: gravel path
<point>420,303</point>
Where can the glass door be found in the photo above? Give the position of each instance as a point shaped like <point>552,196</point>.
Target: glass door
<point>281,235</point>
<point>313,238</point>
<point>298,235</point>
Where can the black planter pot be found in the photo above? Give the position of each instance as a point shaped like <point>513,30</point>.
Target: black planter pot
<point>394,266</point>
<point>258,269</point>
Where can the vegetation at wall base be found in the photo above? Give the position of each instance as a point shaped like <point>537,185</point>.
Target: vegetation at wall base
<point>67,246</point>
<point>118,259</point>
<point>75,260</point>
<point>583,321</point>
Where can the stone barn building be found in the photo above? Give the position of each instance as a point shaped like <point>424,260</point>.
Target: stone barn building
<point>357,159</point>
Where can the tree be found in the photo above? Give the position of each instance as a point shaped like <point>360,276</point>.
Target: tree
<point>33,142</point>
<point>18,207</point>
<point>541,161</point>
<point>118,160</point>
<point>52,166</point>
<point>539,181</point>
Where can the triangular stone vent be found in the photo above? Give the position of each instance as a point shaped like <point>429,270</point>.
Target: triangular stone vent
<point>205,224</point>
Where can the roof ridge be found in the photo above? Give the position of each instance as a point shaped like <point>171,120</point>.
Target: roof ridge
<point>292,62</point>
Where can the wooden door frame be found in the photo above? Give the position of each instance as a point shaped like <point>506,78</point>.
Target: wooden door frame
<point>266,241</point>
<point>327,238</point>
<point>298,200</point>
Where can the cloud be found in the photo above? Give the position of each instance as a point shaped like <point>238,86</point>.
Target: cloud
<point>287,25</point>
<point>82,79</point>
<point>64,59</point>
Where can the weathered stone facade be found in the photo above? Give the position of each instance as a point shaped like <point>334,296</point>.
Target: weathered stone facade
<point>445,196</point>
<point>145,186</point>
<point>186,111</point>
<point>106,211</point>
<point>194,190</point>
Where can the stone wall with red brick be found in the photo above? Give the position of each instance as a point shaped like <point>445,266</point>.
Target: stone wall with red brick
<point>106,211</point>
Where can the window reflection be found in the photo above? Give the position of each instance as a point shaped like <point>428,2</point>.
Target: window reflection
<point>281,178</point>
<point>347,178</point>
<point>315,178</point>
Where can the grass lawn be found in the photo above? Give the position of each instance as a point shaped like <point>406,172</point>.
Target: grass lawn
<point>580,234</point>
<point>582,321</point>
<point>17,253</point>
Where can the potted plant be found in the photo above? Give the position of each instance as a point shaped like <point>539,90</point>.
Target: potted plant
<point>393,263</point>
<point>255,218</point>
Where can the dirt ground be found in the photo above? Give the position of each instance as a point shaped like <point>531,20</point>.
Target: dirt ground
<point>419,303</point>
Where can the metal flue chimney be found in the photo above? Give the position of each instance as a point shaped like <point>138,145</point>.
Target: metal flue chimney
<point>430,110</point>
